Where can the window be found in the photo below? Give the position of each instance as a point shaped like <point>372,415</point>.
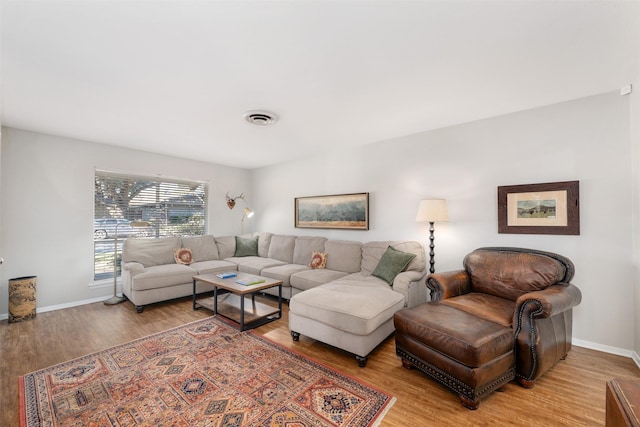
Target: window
<point>170,207</point>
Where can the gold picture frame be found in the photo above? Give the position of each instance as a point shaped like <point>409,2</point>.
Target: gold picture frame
<point>548,208</point>
<point>341,211</point>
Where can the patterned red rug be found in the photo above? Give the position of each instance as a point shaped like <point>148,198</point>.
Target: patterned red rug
<point>204,373</point>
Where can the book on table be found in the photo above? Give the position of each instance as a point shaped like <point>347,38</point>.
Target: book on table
<point>250,281</point>
<point>226,275</point>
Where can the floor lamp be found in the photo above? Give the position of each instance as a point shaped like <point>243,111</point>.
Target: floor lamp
<point>432,211</point>
<point>115,299</point>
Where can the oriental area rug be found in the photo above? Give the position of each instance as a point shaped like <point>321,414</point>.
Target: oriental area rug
<point>204,373</point>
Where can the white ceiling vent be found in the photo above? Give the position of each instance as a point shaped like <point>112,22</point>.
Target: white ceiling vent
<point>260,118</point>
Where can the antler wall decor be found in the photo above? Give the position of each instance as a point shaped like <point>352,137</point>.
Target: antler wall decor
<point>231,201</point>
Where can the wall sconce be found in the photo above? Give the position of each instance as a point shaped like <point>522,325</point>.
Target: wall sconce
<point>434,210</point>
<point>248,213</point>
<point>231,201</point>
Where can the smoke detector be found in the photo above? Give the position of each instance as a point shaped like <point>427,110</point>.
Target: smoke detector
<point>260,118</point>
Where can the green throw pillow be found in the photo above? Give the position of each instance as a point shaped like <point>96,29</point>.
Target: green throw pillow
<point>246,247</point>
<point>391,264</point>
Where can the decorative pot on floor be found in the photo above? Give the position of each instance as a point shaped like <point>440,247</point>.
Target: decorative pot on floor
<point>22,298</point>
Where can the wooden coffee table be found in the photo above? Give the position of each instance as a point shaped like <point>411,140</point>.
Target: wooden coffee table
<point>232,305</point>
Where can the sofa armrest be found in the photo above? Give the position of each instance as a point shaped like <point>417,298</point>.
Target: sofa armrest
<point>411,285</point>
<point>129,271</point>
<point>133,268</point>
<point>448,284</point>
<point>547,302</point>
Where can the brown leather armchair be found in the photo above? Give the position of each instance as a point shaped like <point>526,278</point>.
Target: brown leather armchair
<point>520,295</point>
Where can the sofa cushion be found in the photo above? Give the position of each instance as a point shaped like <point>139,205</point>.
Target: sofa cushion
<point>213,266</point>
<point>226,246</point>
<point>281,248</point>
<point>511,274</point>
<point>183,256</point>
<point>359,310</point>
<point>283,272</point>
<point>308,279</point>
<point>254,264</point>
<point>372,253</point>
<point>305,247</point>
<point>161,276</point>
<point>392,263</point>
<point>419,263</point>
<point>203,248</point>
<point>150,252</point>
<point>343,255</point>
<point>246,247</point>
<point>264,240</point>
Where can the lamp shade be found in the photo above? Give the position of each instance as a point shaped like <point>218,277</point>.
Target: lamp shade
<point>248,212</point>
<point>432,210</point>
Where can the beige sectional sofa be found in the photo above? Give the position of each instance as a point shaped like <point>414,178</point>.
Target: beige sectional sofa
<point>150,273</point>
<point>343,304</point>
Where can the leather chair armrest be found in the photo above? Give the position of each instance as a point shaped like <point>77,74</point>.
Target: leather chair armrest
<point>548,302</point>
<point>448,284</point>
<point>542,327</point>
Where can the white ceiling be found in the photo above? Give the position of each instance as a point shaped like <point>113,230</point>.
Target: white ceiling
<point>175,77</point>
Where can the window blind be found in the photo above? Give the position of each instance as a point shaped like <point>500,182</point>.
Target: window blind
<point>170,207</point>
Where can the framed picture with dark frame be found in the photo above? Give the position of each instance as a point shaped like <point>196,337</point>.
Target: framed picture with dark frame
<point>548,208</point>
<point>343,211</point>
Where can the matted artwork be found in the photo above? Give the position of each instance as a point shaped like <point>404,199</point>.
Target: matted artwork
<point>549,208</point>
<point>346,211</point>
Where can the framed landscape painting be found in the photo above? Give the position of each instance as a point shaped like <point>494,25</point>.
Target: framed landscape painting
<point>345,211</point>
<point>549,208</point>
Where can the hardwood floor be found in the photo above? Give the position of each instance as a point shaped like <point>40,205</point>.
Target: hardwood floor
<point>571,394</point>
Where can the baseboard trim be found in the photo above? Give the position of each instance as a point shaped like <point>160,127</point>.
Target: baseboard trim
<point>636,359</point>
<point>608,349</point>
<point>5,316</point>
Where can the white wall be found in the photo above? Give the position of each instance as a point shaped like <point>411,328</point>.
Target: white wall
<point>47,191</point>
<point>586,140</point>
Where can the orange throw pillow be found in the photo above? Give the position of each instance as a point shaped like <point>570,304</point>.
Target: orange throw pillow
<point>318,260</point>
<point>183,256</point>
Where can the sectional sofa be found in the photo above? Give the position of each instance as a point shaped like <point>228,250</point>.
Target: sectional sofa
<point>151,274</point>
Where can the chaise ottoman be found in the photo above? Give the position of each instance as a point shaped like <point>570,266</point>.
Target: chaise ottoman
<point>353,315</point>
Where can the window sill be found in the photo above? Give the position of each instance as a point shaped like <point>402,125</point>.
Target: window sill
<point>104,283</point>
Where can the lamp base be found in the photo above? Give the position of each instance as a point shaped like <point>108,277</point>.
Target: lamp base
<point>115,300</point>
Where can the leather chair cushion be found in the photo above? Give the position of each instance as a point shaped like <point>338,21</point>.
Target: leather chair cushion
<point>463,337</point>
<point>511,274</point>
<point>485,306</point>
